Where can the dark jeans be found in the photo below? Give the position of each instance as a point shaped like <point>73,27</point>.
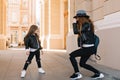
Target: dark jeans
<point>85,54</point>
<point>30,57</point>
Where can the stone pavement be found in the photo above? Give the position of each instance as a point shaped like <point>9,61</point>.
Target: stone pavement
<point>55,63</point>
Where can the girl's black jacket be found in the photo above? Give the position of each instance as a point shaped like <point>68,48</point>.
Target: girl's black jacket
<point>32,42</point>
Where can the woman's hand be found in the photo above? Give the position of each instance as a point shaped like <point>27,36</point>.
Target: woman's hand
<point>74,20</point>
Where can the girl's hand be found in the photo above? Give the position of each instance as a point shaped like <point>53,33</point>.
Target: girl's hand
<point>42,52</point>
<point>27,52</point>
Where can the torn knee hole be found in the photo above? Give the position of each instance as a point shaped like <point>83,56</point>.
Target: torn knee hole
<point>28,62</point>
<point>38,60</point>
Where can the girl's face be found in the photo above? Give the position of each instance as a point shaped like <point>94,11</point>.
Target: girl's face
<point>37,32</point>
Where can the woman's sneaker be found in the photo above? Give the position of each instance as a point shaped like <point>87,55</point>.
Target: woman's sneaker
<point>23,73</point>
<point>76,76</point>
<point>97,75</point>
<point>40,70</point>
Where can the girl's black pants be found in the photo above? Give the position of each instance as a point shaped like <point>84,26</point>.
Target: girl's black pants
<point>30,57</point>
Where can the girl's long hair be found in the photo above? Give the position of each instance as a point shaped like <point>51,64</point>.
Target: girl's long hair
<point>82,20</point>
<point>31,31</point>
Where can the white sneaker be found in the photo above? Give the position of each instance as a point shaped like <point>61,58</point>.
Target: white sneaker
<point>97,76</point>
<point>40,70</point>
<point>76,76</point>
<point>23,73</point>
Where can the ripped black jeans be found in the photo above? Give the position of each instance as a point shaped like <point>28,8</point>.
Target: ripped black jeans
<point>85,54</point>
<point>30,57</point>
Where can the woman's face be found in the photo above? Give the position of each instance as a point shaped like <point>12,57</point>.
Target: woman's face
<point>77,19</point>
<point>37,32</point>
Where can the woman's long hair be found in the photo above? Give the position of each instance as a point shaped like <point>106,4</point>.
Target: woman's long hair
<point>31,31</point>
<point>82,20</point>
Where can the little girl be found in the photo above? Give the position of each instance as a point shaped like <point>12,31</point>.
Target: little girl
<point>33,47</point>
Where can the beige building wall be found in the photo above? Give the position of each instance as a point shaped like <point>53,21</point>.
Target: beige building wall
<point>20,15</point>
<point>111,6</point>
<point>46,19</point>
<point>2,24</point>
<point>97,9</point>
<point>56,40</point>
<point>106,17</point>
<point>108,28</point>
<point>54,24</point>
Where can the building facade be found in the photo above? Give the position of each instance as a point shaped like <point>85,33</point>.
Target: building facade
<point>18,15</point>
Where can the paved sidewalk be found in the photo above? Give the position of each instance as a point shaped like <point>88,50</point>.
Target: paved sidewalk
<point>56,65</point>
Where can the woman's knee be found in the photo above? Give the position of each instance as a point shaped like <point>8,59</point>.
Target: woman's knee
<point>82,64</point>
<point>72,58</point>
<point>71,54</point>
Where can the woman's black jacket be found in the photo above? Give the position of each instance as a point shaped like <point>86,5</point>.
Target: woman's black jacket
<point>87,35</point>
